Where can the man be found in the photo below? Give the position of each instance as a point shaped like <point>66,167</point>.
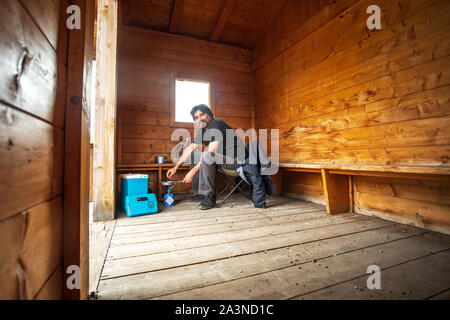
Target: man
<point>213,134</point>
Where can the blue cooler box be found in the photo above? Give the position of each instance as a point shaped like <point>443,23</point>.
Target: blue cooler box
<point>133,184</point>
<point>140,204</point>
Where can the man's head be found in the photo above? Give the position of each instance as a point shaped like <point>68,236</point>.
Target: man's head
<point>202,114</point>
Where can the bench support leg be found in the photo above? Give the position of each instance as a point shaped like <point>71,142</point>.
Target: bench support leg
<point>336,190</point>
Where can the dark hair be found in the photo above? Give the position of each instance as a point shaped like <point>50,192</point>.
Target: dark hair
<point>204,108</point>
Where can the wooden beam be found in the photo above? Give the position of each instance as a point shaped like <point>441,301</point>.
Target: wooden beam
<point>336,190</point>
<point>76,162</point>
<point>226,11</point>
<point>105,115</point>
<point>175,15</point>
<point>265,21</point>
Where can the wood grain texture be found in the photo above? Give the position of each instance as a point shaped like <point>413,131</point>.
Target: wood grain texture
<point>140,38</point>
<point>336,191</point>
<point>303,185</point>
<point>32,76</point>
<point>266,19</point>
<point>240,22</point>
<point>33,94</point>
<point>34,251</point>
<point>346,97</point>
<point>286,32</point>
<point>175,15</point>
<point>32,160</point>
<point>293,281</point>
<point>254,254</point>
<point>52,289</point>
<point>225,13</point>
<point>11,271</point>
<point>43,12</point>
<point>106,114</point>
<point>417,202</point>
<point>91,173</point>
<point>42,247</point>
<point>429,264</point>
<point>99,239</point>
<point>77,145</point>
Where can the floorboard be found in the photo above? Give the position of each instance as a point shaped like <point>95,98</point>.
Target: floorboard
<point>291,250</point>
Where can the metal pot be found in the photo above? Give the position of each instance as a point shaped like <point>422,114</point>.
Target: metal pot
<point>160,159</point>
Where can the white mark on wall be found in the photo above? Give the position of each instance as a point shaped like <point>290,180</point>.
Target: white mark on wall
<point>373,21</point>
<point>74,20</point>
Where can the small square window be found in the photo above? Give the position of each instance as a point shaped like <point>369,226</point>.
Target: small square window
<point>189,93</point>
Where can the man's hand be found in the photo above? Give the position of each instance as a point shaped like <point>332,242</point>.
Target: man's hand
<point>171,172</point>
<point>189,176</point>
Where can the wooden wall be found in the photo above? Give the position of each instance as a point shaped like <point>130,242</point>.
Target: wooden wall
<point>32,110</point>
<point>302,185</point>
<point>420,202</point>
<point>148,63</point>
<point>342,94</point>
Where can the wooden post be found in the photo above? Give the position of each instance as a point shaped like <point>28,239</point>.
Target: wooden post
<point>105,111</point>
<point>350,193</point>
<point>159,182</point>
<point>91,172</point>
<point>336,190</point>
<point>76,162</point>
<point>252,101</point>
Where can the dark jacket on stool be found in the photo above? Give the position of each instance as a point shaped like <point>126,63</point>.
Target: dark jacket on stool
<point>252,173</point>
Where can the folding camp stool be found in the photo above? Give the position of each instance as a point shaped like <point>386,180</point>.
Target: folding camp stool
<point>230,175</point>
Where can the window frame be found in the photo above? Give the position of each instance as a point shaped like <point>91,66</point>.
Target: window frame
<point>194,78</point>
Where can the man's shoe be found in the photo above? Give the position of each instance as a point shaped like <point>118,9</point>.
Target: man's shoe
<point>197,198</point>
<point>207,203</point>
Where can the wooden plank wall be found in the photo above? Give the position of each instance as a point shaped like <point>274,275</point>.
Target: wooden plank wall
<point>32,104</point>
<point>421,203</point>
<point>303,185</point>
<point>148,63</point>
<point>340,93</point>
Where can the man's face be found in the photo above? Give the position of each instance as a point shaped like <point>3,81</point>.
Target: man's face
<point>202,118</point>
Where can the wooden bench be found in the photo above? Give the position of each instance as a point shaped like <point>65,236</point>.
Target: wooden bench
<point>337,178</point>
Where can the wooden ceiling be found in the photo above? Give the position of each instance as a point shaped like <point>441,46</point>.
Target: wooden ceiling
<point>235,22</point>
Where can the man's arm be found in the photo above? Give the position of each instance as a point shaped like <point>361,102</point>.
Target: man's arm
<point>186,153</point>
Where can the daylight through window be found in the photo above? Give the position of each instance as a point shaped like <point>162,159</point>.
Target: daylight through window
<point>189,93</point>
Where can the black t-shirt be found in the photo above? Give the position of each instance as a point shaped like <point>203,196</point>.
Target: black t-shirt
<point>219,130</point>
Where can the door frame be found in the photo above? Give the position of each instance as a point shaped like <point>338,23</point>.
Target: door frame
<point>76,154</point>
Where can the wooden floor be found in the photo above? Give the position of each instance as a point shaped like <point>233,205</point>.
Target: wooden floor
<point>291,250</point>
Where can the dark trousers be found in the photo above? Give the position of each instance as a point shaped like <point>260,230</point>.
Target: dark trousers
<point>204,182</point>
